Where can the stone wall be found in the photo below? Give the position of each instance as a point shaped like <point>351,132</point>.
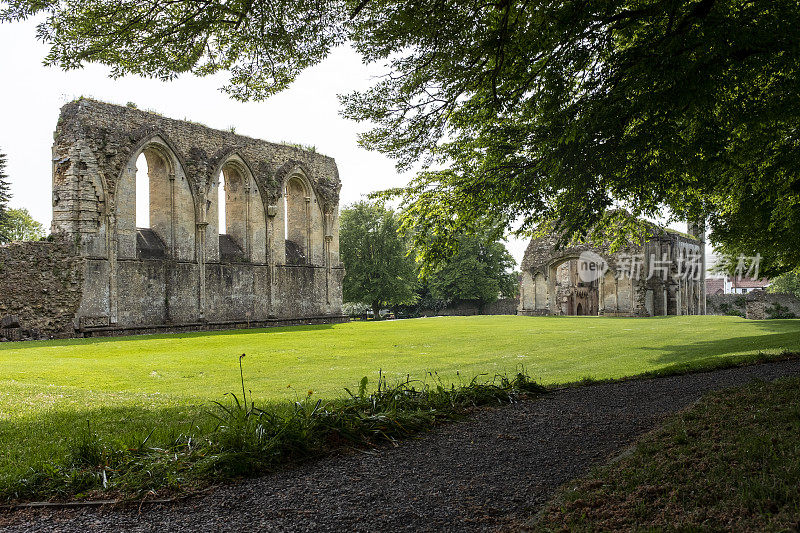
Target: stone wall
<point>502,306</point>
<point>649,276</point>
<point>760,305</point>
<point>755,305</point>
<point>185,271</point>
<point>725,304</point>
<point>40,289</point>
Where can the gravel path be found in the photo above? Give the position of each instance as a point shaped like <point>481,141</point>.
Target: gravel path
<point>482,474</point>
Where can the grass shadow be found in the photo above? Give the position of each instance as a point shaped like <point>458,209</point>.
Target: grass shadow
<point>772,335</point>
<point>21,345</point>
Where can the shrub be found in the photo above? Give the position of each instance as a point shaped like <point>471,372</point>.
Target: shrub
<point>779,311</point>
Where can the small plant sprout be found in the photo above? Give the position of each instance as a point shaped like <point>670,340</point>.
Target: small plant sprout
<point>241,374</point>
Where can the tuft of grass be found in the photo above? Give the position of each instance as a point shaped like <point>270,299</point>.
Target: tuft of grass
<point>236,438</point>
<point>729,463</point>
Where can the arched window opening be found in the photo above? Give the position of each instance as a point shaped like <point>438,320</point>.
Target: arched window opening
<point>233,198</point>
<point>152,205</point>
<point>296,200</point>
<point>221,203</point>
<point>155,208</point>
<point>576,292</point>
<point>142,193</point>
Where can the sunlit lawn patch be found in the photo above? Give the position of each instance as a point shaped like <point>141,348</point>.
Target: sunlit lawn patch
<point>160,388</point>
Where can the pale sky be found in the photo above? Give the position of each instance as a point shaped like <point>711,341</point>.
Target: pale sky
<point>31,96</point>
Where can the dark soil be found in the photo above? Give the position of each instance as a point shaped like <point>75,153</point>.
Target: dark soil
<point>490,472</point>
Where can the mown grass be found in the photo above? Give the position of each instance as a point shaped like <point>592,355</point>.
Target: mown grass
<point>156,392</point>
<point>237,438</point>
<point>159,369</point>
<point>729,463</point>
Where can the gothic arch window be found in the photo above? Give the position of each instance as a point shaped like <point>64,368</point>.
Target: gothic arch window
<point>142,192</point>
<point>297,222</point>
<point>240,214</point>
<point>154,206</point>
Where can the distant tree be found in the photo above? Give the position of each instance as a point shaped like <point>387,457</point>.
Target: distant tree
<point>379,272</point>
<point>19,225</point>
<point>788,283</point>
<point>481,270</point>
<point>5,189</point>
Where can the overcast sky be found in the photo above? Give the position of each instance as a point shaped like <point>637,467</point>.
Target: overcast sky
<point>31,96</point>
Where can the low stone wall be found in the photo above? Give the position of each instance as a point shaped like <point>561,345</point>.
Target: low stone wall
<point>761,305</point>
<point>503,306</point>
<point>40,289</point>
<point>725,304</point>
<point>755,305</point>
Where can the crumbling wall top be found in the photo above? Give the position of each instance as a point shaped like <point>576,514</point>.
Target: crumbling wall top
<point>113,133</point>
<point>544,249</point>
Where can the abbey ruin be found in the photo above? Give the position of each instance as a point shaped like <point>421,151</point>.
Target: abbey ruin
<point>276,261</point>
<point>661,274</point>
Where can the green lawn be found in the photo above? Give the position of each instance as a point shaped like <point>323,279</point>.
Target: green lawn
<point>126,387</point>
<point>282,363</point>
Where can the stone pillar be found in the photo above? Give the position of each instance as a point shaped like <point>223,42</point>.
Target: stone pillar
<point>309,255</point>
<point>600,295</point>
<point>248,252</point>
<point>113,244</point>
<point>328,231</point>
<point>698,231</point>
<point>202,227</point>
<point>172,216</point>
<point>756,305</point>
<point>272,213</point>
<point>552,304</point>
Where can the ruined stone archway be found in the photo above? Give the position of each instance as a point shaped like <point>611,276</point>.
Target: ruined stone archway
<point>184,282</point>
<point>243,232</point>
<point>171,203</point>
<point>572,291</point>
<point>632,286</point>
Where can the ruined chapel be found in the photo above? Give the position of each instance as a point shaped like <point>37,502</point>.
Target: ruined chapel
<point>275,261</point>
<point>662,273</point>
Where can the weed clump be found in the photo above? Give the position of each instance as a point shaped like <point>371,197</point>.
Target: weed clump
<point>236,438</point>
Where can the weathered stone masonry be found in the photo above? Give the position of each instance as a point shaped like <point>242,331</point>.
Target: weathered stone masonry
<point>40,288</point>
<point>550,284</point>
<point>277,263</point>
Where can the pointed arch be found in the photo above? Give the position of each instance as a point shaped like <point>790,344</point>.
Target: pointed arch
<point>172,202</point>
<point>294,167</point>
<point>159,139</point>
<point>245,222</point>
<point>297,208</point>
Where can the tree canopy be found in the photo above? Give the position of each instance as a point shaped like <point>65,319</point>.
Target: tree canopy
<point>787,283</point>
<point>481,270</point>
<point>5,195</point>
<point>379,272</point>
<point>19,225</point>
<point>528,110</point>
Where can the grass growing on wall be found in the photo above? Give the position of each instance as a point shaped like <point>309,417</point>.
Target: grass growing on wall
<point>159,389</point>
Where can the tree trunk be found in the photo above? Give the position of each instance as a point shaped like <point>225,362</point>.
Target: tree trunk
<point>376,310</point>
